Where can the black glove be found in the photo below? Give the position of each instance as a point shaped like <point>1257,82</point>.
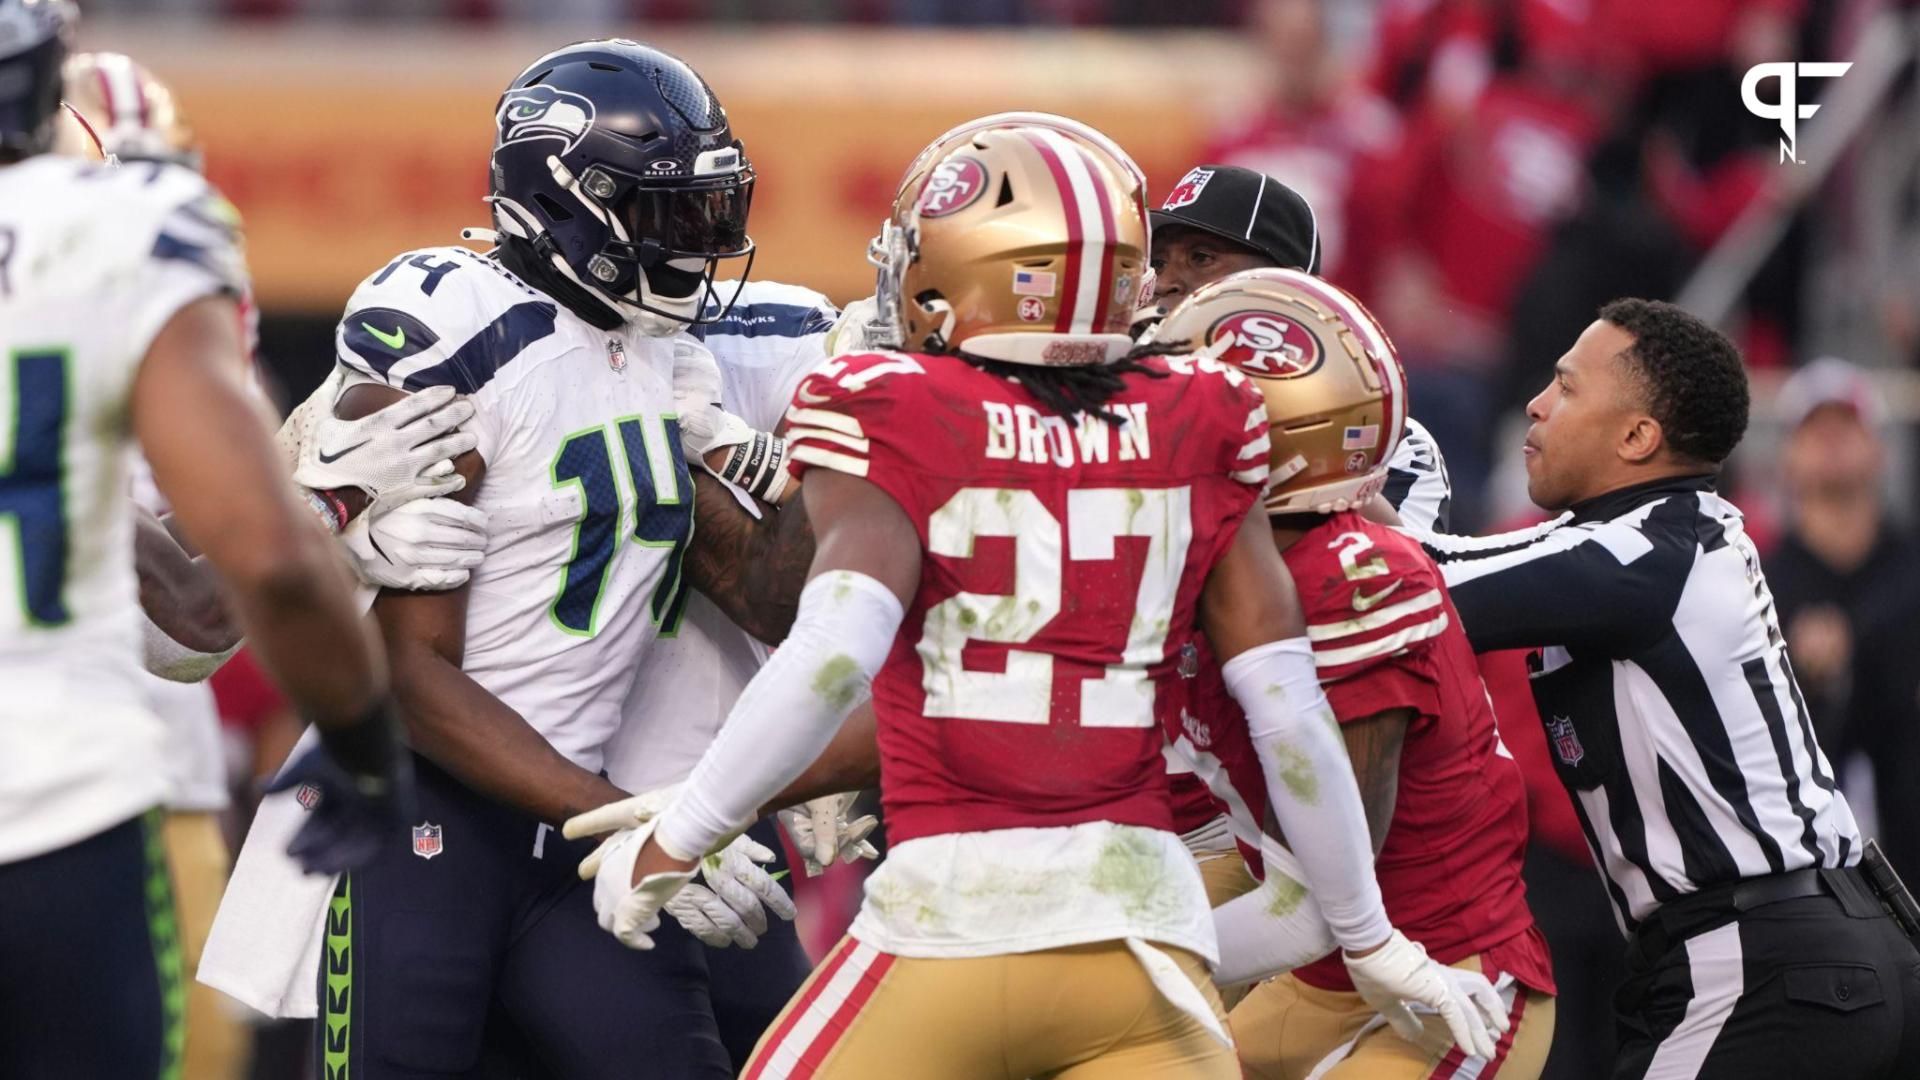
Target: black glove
<point>358,808</point>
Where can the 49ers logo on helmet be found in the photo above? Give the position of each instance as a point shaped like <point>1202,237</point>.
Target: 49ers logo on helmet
<point>1266,344</point>
<point>952,187</point>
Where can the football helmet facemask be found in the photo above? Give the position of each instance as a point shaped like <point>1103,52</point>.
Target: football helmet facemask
<point>1336,397</point>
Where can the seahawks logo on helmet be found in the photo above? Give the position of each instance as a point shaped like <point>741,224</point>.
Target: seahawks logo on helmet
<point>541,112</point>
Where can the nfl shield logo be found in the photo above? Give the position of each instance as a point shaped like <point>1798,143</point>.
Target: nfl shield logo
<point>616,355</point>
<point>426,840</point>
<point>308,796</point>
<point>1188,190</point>
<point>1566,741</point>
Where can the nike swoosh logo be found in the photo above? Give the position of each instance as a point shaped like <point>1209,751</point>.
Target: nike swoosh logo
<point>1363,602</point>
<point>808,397</point>
<point>396,340</point>
<point>328,459</point>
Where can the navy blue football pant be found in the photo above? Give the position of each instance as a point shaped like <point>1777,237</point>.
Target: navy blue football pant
<point>90,979</point>
<point>748,987</point>
<point>471,933</point>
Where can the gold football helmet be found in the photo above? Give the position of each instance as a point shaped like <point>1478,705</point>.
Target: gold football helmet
<point>881,332</point>
<point>118,110</point>
<point>1336,397</point>
<point>963,134</point>
<point>1023,244</point>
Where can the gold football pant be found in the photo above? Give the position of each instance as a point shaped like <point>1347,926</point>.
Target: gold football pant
<point>1085,1012</point>
<point>1287,1029</point>
<point>217,1042</point>
<point>1226,877</point>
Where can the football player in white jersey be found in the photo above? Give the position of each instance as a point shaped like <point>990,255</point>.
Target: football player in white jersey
<point>118,321</point>
<point>116,111</point>
<point>617,188</point>
<point>765,336</point>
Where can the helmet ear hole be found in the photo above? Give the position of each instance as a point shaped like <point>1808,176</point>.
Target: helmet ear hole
<point>935,307</point>
<point>551,207</point>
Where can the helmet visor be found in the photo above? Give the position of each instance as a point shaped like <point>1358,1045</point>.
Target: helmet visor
<point>705,221</point>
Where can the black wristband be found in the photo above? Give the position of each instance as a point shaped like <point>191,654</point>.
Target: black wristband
<point>369,747</point>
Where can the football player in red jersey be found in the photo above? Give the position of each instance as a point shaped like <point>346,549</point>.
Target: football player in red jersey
<point>1018,523</point>
<point>1445,801</point>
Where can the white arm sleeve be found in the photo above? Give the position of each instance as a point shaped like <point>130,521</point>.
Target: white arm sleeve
<point>1310,784</point>
<point>1273,929</point>
<point>789,712</point>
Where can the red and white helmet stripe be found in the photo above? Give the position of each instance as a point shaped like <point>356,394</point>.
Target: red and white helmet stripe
<point>1088,278</point>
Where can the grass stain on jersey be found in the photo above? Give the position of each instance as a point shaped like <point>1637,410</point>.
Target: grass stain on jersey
<point>896,899</point>
<point>838,681</point>
<point>1134,871</point>
<point>1287,893</point>
<point>1296,772</point>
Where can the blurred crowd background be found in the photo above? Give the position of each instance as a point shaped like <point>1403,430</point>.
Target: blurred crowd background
<point>1485,173</point>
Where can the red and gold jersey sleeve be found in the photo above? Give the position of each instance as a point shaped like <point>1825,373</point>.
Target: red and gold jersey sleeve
<point>854,414</point>
<point>1375,609</point>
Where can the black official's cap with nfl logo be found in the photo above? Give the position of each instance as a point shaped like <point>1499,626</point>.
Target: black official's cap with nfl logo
<point>1250,209</point>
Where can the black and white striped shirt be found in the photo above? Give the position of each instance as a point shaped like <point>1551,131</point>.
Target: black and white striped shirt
<point>1670,704</point>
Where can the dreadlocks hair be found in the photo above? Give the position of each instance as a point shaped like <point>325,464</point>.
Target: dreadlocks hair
<point>1070,390</point>
<point>1695,384</point>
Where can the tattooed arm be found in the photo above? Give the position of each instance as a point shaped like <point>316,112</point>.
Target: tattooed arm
<point>1373,745</point>
<point>751,569</point>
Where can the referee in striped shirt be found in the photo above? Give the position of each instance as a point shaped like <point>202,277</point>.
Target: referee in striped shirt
<point>1759,943</point>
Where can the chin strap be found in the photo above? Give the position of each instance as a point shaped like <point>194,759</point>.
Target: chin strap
<point>530,260</point>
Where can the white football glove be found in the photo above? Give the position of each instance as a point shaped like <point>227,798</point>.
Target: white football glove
<point>424,545</point>
<point>401,453</point>
<point>822,833</point>
<point>631,912</point>
<point>628,813</point>
<point>735,877</point>
<point>1399,974</point>
<point>729,909</point>
<point>758,464</point>
<point>859,329</point>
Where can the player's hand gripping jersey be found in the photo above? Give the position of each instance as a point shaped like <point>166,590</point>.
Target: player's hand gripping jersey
<point>1026,688</point>
<point>94,261</point>
<point>587,494</point>
<point>1385,636</point>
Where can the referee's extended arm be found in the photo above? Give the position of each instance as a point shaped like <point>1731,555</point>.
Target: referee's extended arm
<point>1597,584</point>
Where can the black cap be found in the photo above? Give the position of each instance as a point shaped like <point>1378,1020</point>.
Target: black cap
<point>1249,208</point>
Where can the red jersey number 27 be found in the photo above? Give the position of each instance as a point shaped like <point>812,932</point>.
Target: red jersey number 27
<point>1096,518</point>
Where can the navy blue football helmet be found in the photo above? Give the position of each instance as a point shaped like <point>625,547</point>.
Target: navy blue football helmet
<point>618,186</point>
<point>34,38</point>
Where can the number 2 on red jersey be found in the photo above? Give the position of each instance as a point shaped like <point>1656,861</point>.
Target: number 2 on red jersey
<point>1123,696</point>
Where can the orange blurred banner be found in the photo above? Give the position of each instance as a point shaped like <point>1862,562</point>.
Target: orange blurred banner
<point>345,145</point>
